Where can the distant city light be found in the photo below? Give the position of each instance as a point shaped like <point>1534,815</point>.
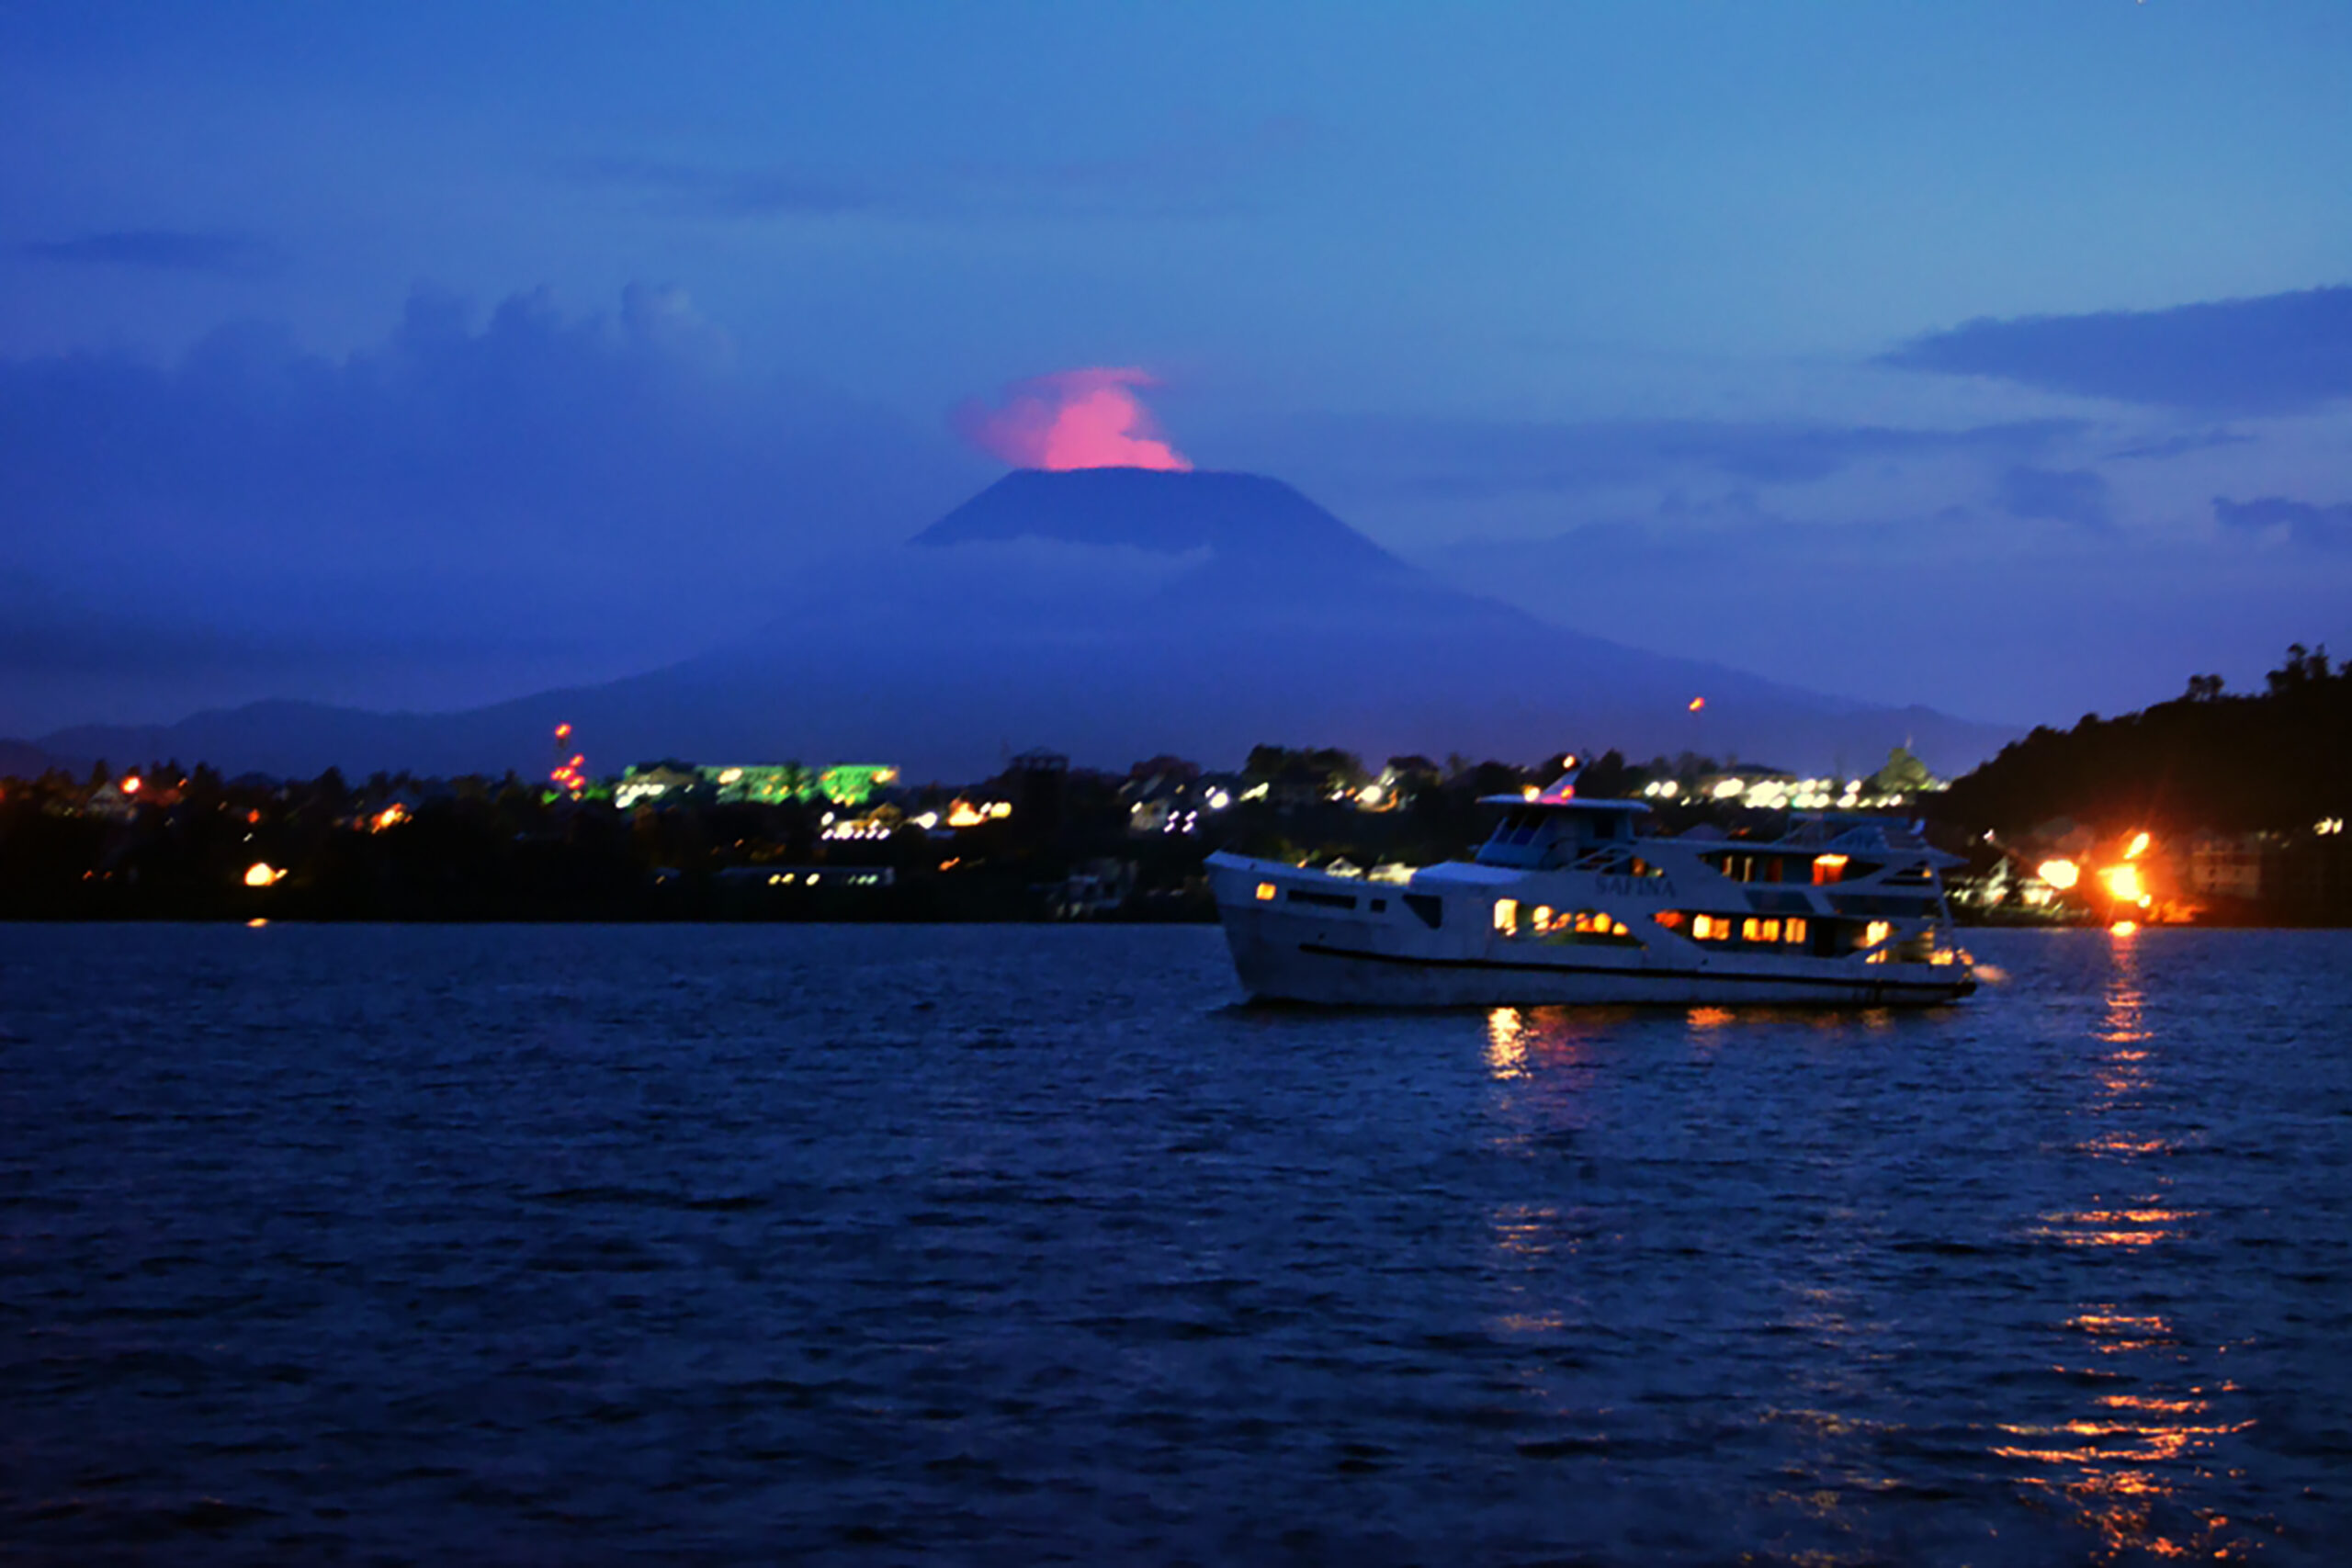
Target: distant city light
<point>2059,873</point>
<point>2124,884</point>
<point>131,785</point>
<point>1697,704</point>
<point>2137,847</point>
<point>261,873</point>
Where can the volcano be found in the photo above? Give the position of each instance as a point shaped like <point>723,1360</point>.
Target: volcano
<point>1109,614</point>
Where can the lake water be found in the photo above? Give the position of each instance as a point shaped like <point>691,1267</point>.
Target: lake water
<point>1014,1244</point>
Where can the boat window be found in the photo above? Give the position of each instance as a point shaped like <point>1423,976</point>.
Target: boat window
<point>1590,926</point>
<point>1506,916</point>
<point>1328,900</point>
<point>1428,906</point>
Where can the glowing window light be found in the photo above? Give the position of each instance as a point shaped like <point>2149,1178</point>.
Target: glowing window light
<point>1827,869</point>
<point>1266,892</point>
<point>1875,932</point>
<point>1506,915</point>
<point>1542,919</point>
<point>132,785</point>
<point>1529,792</point>
<point>261,873</point>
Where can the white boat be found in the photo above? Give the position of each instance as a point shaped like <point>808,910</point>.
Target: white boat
<point>1567,903</point>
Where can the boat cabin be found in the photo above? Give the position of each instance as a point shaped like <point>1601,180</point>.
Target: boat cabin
<point>1554,828</point>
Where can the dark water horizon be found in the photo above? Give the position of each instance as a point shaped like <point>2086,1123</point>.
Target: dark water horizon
<point>1001,1244</point>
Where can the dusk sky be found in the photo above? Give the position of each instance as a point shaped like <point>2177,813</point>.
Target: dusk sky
<point>1993,356</point>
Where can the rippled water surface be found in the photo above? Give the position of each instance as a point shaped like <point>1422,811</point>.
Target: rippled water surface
<point>1025,1245</point>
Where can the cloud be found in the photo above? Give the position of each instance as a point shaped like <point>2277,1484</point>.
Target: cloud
<point>2182,445</point>
<point>723,192</point>
<point>2277,353</point>
<point>2069,495</point>
<point>2316,527</point>
<point>1190,176</point>
<point>1071,419</point>
<point>1482,459</point>
<point>159,250</point>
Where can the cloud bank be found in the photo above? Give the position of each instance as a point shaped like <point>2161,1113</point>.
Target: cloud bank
<point>159,250</point>
<point>2318,528</point>
<point>538,494</point>
<point>2277,353</point>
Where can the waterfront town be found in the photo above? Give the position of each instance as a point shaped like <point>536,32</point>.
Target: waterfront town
<point>2212,809</point>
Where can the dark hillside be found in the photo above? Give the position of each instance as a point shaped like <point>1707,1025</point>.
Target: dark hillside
<point>2279,760</point>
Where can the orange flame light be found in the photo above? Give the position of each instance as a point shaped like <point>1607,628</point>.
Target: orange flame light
<point>2059,873</point>
<point>2124,884</point>
<point>1697,704</point>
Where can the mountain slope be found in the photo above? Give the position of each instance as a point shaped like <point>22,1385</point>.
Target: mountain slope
<point>1109,614</point>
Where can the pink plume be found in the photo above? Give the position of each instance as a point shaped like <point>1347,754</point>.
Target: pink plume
<point>1072,419</point>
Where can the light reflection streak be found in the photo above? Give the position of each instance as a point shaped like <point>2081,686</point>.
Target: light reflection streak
<point>1507,1043</point>
<point>2127,1455</point>
<point>2119,1462</point>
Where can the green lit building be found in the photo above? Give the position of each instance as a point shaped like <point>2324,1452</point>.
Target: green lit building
<point>844,784</point>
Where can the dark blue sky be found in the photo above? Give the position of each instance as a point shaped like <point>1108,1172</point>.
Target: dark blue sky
<point>1995,356</point>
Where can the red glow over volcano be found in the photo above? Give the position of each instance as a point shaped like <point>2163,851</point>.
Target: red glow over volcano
<point>1072,419</point>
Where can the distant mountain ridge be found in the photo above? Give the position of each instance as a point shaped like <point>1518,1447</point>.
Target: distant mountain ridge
<point>1109,614</point>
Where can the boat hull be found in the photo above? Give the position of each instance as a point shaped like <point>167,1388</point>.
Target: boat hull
<point>1274,969</point>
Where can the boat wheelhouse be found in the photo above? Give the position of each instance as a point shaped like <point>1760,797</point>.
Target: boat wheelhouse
<point>1569,902</point>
